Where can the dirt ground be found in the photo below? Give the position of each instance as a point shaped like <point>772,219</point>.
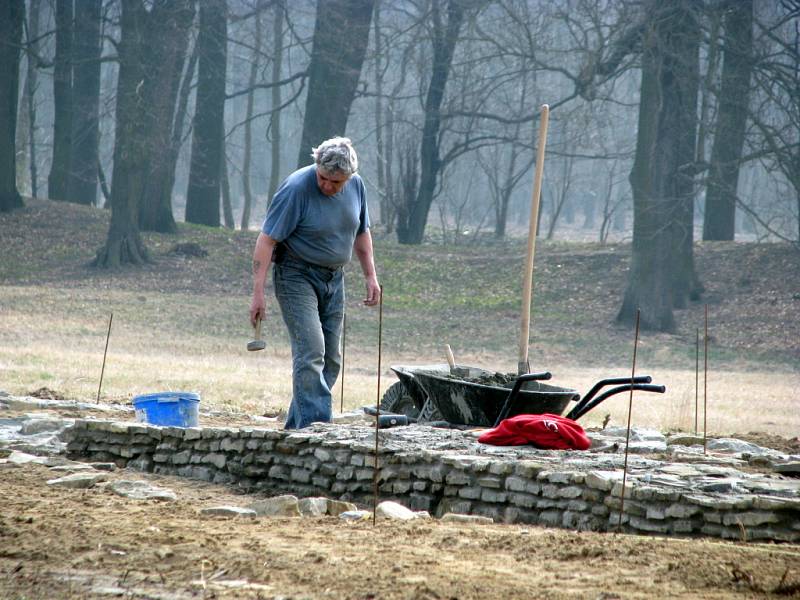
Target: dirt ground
<point>75,544</point>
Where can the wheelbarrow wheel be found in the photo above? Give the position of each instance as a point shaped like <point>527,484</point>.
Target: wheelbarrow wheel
<point>397,400</point>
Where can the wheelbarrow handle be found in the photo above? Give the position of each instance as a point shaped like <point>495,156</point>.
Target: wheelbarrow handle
<point>512,396</point>
<point>582,408</point>
<point>578,408</point>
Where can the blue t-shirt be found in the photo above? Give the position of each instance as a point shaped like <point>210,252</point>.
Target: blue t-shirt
<point>319,229</point>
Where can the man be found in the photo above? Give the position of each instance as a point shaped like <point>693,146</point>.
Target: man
<point>317,218</point>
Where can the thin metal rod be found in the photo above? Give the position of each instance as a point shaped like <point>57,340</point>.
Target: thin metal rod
<point>344,347</point>
<point>705,384</point>
<point>696,377</point>
<point>377,410</point>
<point>628,433</point>
<point>105,352</point>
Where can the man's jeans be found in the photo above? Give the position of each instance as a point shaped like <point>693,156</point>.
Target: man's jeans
<point>312,304</point>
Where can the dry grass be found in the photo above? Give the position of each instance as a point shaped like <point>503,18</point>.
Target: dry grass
<point>158,348</point>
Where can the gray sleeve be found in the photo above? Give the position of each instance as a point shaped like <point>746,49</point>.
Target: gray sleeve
<point>284,213</point>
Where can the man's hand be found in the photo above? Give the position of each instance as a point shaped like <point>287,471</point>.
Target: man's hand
<point>373,291</point>
<point>258,308</point>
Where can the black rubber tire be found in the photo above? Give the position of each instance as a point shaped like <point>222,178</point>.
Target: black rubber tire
<point>398,401</point>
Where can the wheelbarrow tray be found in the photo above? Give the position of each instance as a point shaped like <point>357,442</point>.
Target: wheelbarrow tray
<point>462,401</point>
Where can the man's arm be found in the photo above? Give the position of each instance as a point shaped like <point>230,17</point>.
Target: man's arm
<point>363,248</point>
<point>262,257</point>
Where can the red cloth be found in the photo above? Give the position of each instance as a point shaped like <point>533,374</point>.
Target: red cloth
<point>550,432</point>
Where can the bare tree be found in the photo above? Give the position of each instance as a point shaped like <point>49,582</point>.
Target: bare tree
<point>411,228</point>
<point>12,16</point>
<point>662,274</point>
<point>62,98</point>
<point>82,176</point>
<point>26,122</point>
<point>248,125</point>
<point>341,33</point>
<point>729,131</point>
<point>142,25</point>
<point>203,194</point>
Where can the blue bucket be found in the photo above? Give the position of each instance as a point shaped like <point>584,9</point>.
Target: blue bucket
<point>172,409</point>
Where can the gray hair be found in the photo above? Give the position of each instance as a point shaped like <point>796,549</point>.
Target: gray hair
<point>336,154</point>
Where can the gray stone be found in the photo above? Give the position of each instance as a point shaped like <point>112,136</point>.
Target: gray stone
<point>776,503</point>
<point>570,491</point>
<point>472,519</point>
<point>394,511</point>
<point>488,495</point>
<point>78,481</point>
<point>228,511</point>
<point>791,468</point>
<point>647,447</point>
<point>685,439</point>
<point>214,458</point>
<point>103,466</point>
<point>141,490</point>
<point>470,493</point>
<point>681,511</point>
<point>638,434</point>
<point>602,480</point>
<point>77,467</point>
<point>355,515</point>
<point>40,424</point>
<point>734,446</point>
<point>279,506</point>
<point>337,507</point>
<point>313,507</point>
<point>458,478</point>
<point>750,519</point>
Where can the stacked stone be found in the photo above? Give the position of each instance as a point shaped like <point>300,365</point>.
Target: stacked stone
<point>449,471</point>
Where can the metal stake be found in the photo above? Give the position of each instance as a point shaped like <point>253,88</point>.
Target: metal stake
<point>696,377</point>
<point>344,347</point>
<point>377,410</point>
<point>628,434</point>
<point>705,383</point>
<point>105,352</point>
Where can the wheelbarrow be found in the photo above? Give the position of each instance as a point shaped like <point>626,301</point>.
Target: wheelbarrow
<point>474,397</point>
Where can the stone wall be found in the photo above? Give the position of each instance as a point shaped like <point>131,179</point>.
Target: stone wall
<point>449,471</point>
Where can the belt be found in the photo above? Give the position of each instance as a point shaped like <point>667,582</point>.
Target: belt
<point>283,252</point>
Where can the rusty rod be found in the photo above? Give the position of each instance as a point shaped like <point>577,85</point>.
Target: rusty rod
<point>377,410</point>
<point>696,377</point>
<point>628,433</point>
<point>344,347</point>
<point>705,383</point>
<point>105,352</point>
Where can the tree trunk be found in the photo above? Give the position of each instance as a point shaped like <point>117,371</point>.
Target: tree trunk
<point>341,33</point>
<point>62,99</point>
<point>726,154</point>
<point>124,244</point>
<point>26,121</point>
<point>82,179</point>
<point>203,194</point>
<point>661,178</point>
<point>177,132</point>
<point>12,15</point>
<point>411,230</point>
<point>247,159</point>
<point>561,197</point>
<point>164,58</point>
<point>380,149</point>
<point>275,116</point>
<point>225,188</point>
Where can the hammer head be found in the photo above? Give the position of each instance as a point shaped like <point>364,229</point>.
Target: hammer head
<point>256,345</point>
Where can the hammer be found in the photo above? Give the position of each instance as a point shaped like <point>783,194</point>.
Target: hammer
<point>258,343</point>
